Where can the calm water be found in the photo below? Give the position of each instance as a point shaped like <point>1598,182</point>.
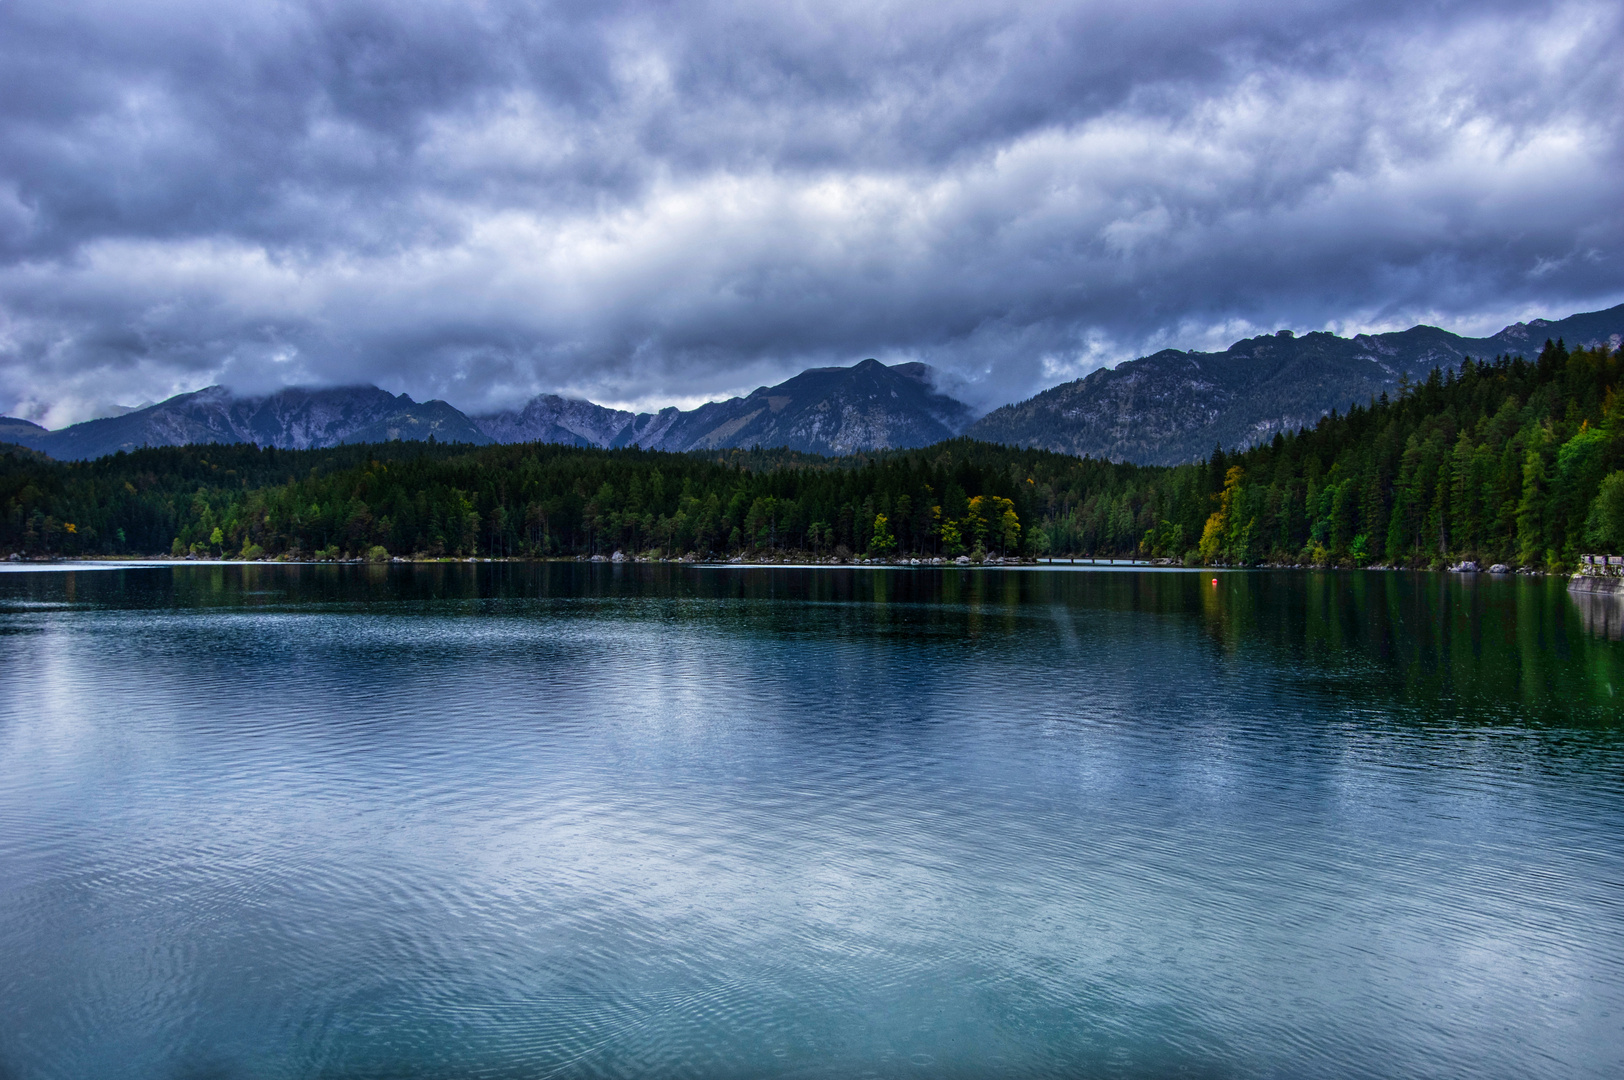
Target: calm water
<point>561,821</point>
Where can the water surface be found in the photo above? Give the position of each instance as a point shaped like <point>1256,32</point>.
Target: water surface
<point>579,821</point>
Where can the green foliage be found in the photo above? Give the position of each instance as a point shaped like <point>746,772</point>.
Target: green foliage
<point>530,500</point>
<point>1604,525</point>
<point>1503,461</point>
<point>1227,535</point>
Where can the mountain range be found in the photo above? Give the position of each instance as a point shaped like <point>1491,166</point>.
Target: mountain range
<point>1165,408</point>
<point>294,419</point>
<point>830,410</point>
<point>1174,406</point>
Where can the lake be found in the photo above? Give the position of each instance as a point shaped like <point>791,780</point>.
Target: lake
<point>564,820</point>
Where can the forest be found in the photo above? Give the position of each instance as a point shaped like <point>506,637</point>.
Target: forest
<point>1504,460</point>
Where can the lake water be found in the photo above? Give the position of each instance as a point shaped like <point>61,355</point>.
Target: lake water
<point>570,820</point>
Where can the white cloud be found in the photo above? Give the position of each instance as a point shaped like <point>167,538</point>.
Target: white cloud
<point>669,211</point>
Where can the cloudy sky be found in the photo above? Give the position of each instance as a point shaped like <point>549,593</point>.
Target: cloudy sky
<point>659,203</point>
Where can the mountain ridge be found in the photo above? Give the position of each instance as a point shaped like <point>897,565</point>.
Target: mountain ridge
<point>830,410</point>
<point>1171,407</point>
<point>1165,408</point>
<point>294,418</point>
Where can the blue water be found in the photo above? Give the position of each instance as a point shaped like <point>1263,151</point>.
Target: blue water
<point>579,821</point>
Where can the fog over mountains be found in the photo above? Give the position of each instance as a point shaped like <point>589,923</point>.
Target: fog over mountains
<point>1162,409</point>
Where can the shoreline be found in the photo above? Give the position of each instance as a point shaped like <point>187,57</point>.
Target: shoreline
<point>1579,582</point>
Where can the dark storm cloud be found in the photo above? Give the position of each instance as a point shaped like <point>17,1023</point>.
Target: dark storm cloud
<point>663,202</point>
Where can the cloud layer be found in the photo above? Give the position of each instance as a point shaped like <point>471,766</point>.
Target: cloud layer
<point>649,204</point>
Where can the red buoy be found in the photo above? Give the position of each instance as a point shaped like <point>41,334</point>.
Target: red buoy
<point>1215,583</point>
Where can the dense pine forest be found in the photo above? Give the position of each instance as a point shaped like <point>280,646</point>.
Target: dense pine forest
<point>1502,461</point>
<point>1507,461</point>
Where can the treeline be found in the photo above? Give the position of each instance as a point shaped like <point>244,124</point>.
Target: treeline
<point>535,500</point>
<point>1505,461</point>
<point>1502,461</point>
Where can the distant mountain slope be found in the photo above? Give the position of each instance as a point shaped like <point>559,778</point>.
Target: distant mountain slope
<point>1174,406</point>
<point>1584,331</point>
<point>294,419</point>
<point>1161,409</point>
<point>553,419</point>
<point>20,432</point>
<point>834,410</point>
<point>824,410</point>
<point>821,411</point>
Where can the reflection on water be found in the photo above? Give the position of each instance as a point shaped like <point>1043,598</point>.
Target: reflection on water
<point>1601,614</point>
<point>563,820</point>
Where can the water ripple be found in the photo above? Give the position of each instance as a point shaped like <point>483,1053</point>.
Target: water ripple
<point>562,821</point>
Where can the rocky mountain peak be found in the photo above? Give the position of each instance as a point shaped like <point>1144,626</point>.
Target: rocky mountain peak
<point>1173,406</point>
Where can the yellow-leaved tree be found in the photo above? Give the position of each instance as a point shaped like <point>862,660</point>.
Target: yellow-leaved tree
<point>883,541</point>
<point>1216,532</point>
<point>991,520</point>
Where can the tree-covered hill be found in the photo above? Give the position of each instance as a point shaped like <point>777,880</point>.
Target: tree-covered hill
<point>1502,461</point>
<point>1507,461</point>
<point>1173,406</point>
